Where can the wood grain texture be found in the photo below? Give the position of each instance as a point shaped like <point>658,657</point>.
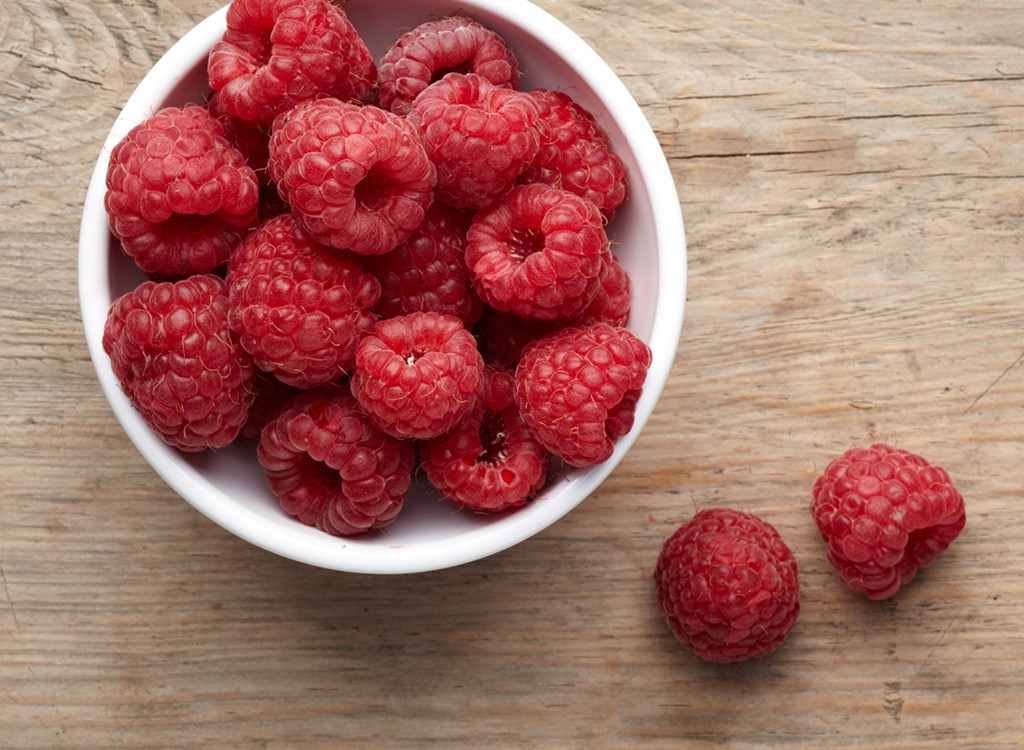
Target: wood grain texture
<point>852,180</point>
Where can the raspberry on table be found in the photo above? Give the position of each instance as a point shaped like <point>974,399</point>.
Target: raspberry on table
<point>179,195</point>
<point>330,467</point>
<point>357,176</point>
<point>577,389</point>
<point>576,153</point>
<point>885,513</point>
<point>480,136</point>
<point>540,253</point>
<point>277,53</point>
<point>417,375</point>
<point>430,51</point>
<point>490,461</point>
<point>179,363</point>
<point>728,586</point>
<point>298,307</point>
<point>427,272</point>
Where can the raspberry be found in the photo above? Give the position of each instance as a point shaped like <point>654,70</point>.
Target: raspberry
<point>330,468</point>
<point>884,514</point>
<point>430,51</point>
<point>299,308</point>
<point>611,304</point>
<point>270,394</point>
<point>728,586</point>
<point>251,139</point>
<point>501,336</point>
<point>277,53</point>
<point>490,462</point>
<point>356,175</point>
<point>178,362</point>
<point>427,272</point>
<point>271,204</point>
<point>540,253</point>
<point>575,153</point>
<point>178,194</point>
<point>481,137</point>
<point>577,389</point>
<point>417,375</point>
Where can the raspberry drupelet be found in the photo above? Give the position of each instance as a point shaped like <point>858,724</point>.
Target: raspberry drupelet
<point>179,363</point>
<point>179,195</point>
<point>427,53</point>
<point>728,586</point>
<point>357,176</point>
<point>885,513</point>
<point>330,467</point>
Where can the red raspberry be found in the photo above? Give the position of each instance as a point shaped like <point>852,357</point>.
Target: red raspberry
<point>575,153</point>
<point>577,389</point>
<point>885,513</point>
<point>540,253</point>
<point>271,393</point>
<point>330,468</point>
<point>271,204</point>
<point>728,586</point>
<point>501,336</point>
<point>251,139</point>
<point>276,53</point>
<point>481,137</point>
<point>178,194</point>
<point>299,308</point>
<point>430,51</point>
<point>611,304</point>
<point>490,461</point>
<point>427,272</point>
<point>417,375</point>
<point>178,362</point>
<point>357,176</point>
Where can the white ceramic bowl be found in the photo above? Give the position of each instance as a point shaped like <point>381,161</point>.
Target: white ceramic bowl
<point>228,485</point>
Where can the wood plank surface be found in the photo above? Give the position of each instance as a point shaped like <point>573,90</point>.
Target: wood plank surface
<point>852,181</point>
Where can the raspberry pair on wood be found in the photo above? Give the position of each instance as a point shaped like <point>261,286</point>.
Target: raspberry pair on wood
<point>727,583</point>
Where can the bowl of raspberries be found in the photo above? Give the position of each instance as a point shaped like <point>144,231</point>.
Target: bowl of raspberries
<point>382,287</point>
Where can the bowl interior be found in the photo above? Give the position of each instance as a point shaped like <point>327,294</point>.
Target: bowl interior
<point>228,485</point>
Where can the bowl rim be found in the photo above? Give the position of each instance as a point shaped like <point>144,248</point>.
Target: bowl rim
<point>481,541</point>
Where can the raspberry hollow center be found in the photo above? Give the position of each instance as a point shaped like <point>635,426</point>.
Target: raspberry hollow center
<point>493,440</point>
<point>462,69</point>
<point>524,242</point>
<point>373,191</point>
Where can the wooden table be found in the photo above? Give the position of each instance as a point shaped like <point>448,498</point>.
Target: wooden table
<point>852,180</point>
